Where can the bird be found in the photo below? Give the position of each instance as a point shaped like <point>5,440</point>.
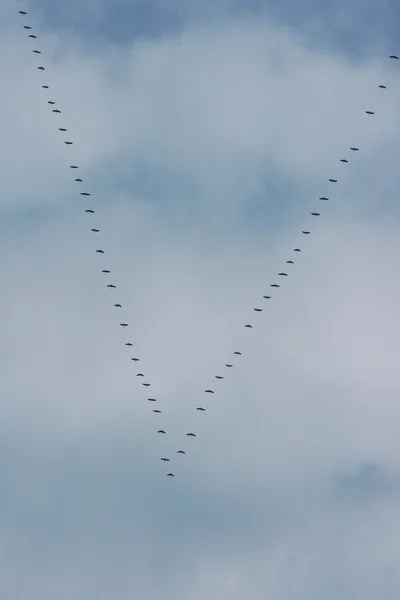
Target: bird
<point>354,149</point>
<point>257,309</point>
<point>146,384</point>
<point>344,160</point>
<point>41,69</point>
<point>135,359</point>
<point>34,37</point>
<point>282,274</point>
<point>297,250</point>
<point>78,179</point>
<point>315,214</point>
<point>122,324</point>
<point>181,452</point>
<point>200,408</point>
<point>209,391</point>
<point>382,87</point>
<point>105,271</point>
<point>27,27</point>
<point>369,112</point>
<point>139,375</point>
<point>56,110</point>
<point>85,194</point>
<point>45,87</point>
<point>275,285</point>
<point>237,353</point>
<point>100,251</point>
<point>249,326</point>
<point>161,431</point>
<point>128,344</point>
<point>170,475</point>
<point>229,366</point>
<point>73,167</point>
<point>333,180</point>
<point>267,297</point>
<point>156,410</point>
<point>306,232</point>
<point>165,459</point>
<point>218,377</point>
<point>62,129</point>
<point>52,102</point>
<point>118,305</point>
<point>152,399</point>
<point>36,52</point>
<point>394,56</point>
<point>289,262</point>
<point>324,198</point>
<point>191,434</point>
<point>110,285</point>
<point>95,230</point>
<point>22,12</point>
<point>88,210</point>
<point>68,143</point>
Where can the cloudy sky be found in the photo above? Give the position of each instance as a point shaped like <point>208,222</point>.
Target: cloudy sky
<point>205,131</point>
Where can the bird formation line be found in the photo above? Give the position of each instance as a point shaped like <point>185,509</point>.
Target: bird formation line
<point>257,309</point>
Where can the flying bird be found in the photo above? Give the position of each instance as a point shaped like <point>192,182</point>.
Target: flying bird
<point>200,408</point>
<point>208,391</point>
<point>315,214</point>
<point>146,384</point>
<point>95,230</point>
<point>128,344</point>
<point>191,434</point>
<point>306,232</point>
<point>170,475</point>
<point>289,262</point>
<point>85,194</point>
<point>62,129</point>
<point>181,452</point>
<point>152,399</point>
<point>139,375</point>
<point>34,37</point>
<point>161,431</point>
<point>267,297</point>
<point>73,167</point>
<point>156,410</point>
<point>27,27</point>
<point>324,198</point>
<point>165,459</point>
<point>52,102</point>
<point>297,250</point>
<point>89,210</point>
<point>275,285</point>
<point>237,353</point>
<point>135,359</point>
<point>55,110</point>
<point>22,12</point>
<point>41,69</point>
<point>118,305</point>
<point>369,112</point>
<point>105,271</point>
<point>344,160</point>
<point>382,87</point>
<point>100,251</point>
<point>110,285</point>
<point>333,180</point>
<point>78,179</point>
<point>249,326</point>
<point>283,274</point>
<point>36,52</point>
<point>45,87</point>
<point>218,377</point>
<point>354,149</point>
<point>394,56</point>
<point>229,366</point>
<point>257,309</point>
<point>122,324</point>
<point>68,143</point>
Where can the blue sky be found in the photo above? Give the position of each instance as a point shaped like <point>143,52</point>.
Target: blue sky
<point>205,133</point>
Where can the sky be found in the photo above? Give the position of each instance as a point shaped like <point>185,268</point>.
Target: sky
<point>205,133</point>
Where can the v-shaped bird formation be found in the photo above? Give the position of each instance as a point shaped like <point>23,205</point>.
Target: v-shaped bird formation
<point>108,272</point>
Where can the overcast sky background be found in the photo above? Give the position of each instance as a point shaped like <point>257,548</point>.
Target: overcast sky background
<point>205,132</point>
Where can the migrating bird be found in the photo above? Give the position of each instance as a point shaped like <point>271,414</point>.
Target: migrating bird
<point>249,326</point>
<point>257,309</point>
<point>73,167</point>
<point>110,285</point>
<point>218,377</point>
<point>78,179</point>
<point>333,180</point>
<point>208,391</point>
<point>105,271</point>
<point>62,129</point>
<point>146,384</point>
<point>200,408</point>
<point>382,87</point>
<point>170,475</point>
<point>283,274</point>
<point>95,230</point>
<point>289,262</point>
<point>297,250</point>
<point>165,459</point>
<point>69,143</point>
<point>41,69</point>
<point>56,110</point>
<point>34,37</point>
<point>394,56</point>
<point>128,344</point>
<point>191,434</point>
<point>51,102</point>
<point>139,375</point>
<point>100,251</point>
<point>27,27</point>
<point>369,112</point>
<point>22,12</point>
<point>229,366</point>
<point>156,410</point>
<point>275,285</point>
<point>89,210</point>
<point>324,198</point>
<point>122,324</point>
<point>45,87</point>
<point>152,399</point>
<point>161,431</point>
<point>85,194</point>
<point>135,359</point>
<point>267,297</point>
<point>237,353</point>
<point>344,160</point>
<point>315,214</point>
<point>118,305</point>
<point>36,52</point>
<point>306,232</point>
<point>354,149</point>
<point>181,452</point>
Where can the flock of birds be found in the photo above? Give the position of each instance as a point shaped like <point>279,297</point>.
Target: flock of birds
<point>107,272</point>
